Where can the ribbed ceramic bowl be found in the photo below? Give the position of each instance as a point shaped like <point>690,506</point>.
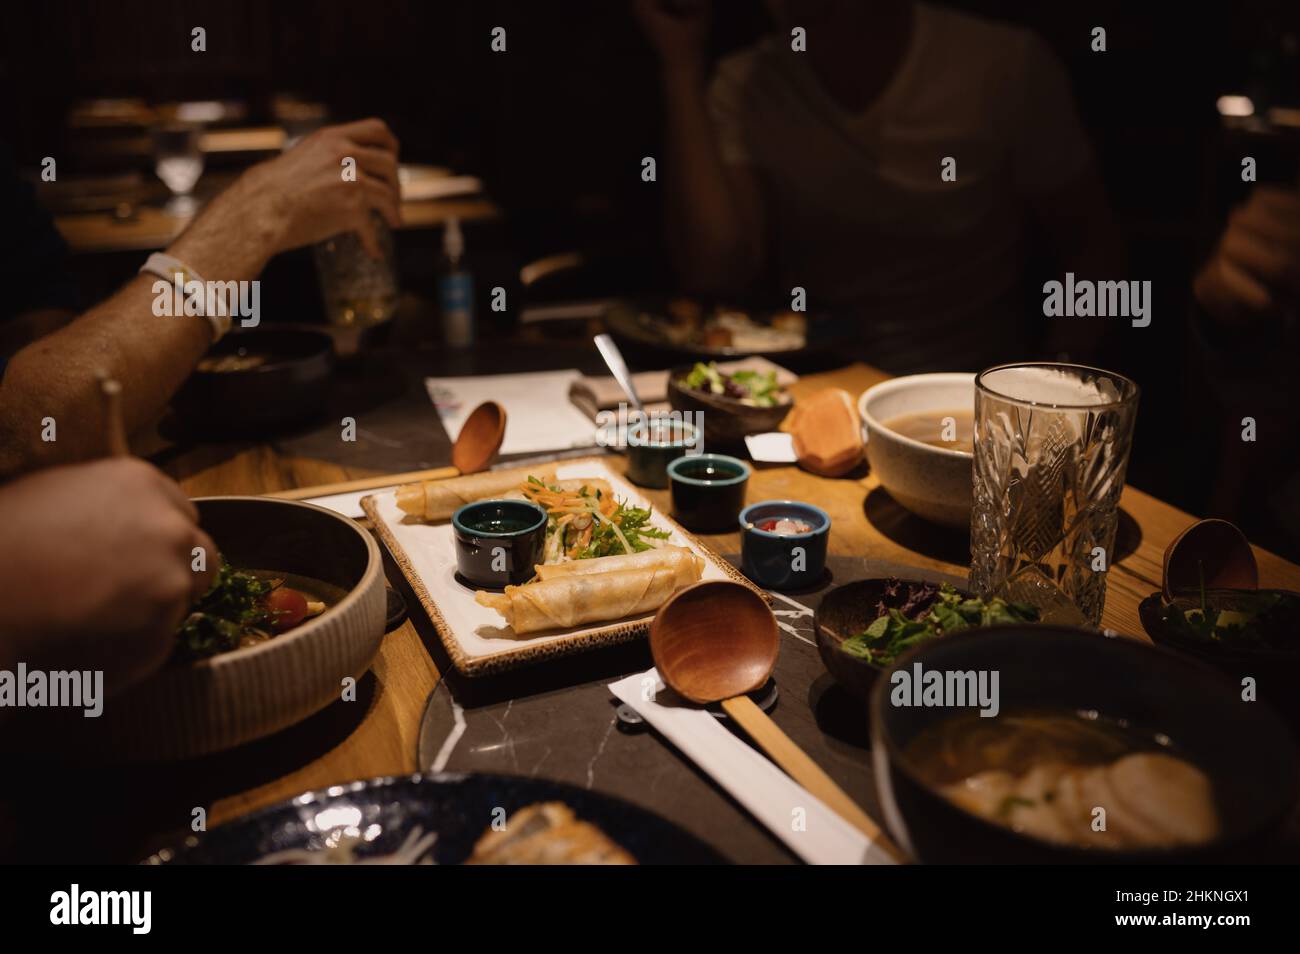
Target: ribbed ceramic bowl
<point>190,709</point>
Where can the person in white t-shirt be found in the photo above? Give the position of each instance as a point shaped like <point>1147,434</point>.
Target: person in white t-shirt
<point>823,169</point>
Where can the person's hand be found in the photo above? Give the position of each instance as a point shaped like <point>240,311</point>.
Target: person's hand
<point>302,197</point>
<point>677,29</point>
<point>97,567</point>
<point>1255,270</point>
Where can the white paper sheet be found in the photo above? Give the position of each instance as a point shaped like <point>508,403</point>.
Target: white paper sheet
<point>347,504</point>
<point>539,415</point>
<point>774,447</point>
<point>770,795</point>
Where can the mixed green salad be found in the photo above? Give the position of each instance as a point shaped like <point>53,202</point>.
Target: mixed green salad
<point>911,613</point>
<point>241,609</point>
<point>755,388</point>
<point>1255,620</point>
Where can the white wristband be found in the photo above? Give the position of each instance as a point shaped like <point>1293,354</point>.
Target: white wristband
<point>180,274</point>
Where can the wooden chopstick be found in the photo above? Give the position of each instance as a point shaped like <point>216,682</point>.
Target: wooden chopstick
<point>114,429</point>
<point>412,476</point>
<point>786,753</point>
<point>365,483</point>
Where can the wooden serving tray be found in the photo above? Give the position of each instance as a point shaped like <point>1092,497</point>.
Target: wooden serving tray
<point>476,637</point>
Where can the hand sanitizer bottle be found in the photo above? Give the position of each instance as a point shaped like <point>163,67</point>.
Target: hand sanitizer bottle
<point>455,289</point>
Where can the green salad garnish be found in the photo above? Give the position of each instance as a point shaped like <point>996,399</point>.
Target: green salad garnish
<point>632,524</point>
<point>584,524</point>
<point>232,607</point>
<point>926,613</point>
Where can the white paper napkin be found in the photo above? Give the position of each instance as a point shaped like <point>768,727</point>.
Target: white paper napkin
<point>539,415</point>
<point>348,504</point>
<point>774,447</point>
<point>809,828</point>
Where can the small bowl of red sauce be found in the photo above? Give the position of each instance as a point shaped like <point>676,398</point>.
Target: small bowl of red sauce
<point>783,543</point>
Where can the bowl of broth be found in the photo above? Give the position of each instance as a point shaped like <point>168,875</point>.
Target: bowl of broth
<point>919,435</point>
<point>1086,749</point>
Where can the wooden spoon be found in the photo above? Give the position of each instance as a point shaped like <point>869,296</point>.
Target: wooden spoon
<point>716,641</point>
<point>476,445</point>
<point>1213,553</point>
<point>479,439</point>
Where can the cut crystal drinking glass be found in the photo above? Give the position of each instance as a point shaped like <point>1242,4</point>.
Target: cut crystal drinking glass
<point>1051,447</point>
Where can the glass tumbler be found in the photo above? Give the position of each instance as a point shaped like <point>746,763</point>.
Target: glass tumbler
<point>358,291</point>
<point>1051,447</point>
<point>178,162</point>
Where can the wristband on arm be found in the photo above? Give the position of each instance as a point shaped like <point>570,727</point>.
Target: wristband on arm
<point>177,272</point>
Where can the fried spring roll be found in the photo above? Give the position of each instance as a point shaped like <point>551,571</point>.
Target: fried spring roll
<point>439,499</point>
<point>685,565</point>
<point>568,601</point>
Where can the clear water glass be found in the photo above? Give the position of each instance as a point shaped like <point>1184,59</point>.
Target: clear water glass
<point>1052,445</point>
<point>178,162</point>
<point>359,291</point>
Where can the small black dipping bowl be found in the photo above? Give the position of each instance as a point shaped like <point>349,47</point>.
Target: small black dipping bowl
<point>287,388</point>
<point>499,542</point>
<point>653,445</point>
<point>708,491</point>
<point>783,561</point>
<point>1243,747</point>
<point>1276,671</point>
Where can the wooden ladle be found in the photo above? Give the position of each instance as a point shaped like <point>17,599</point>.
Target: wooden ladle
<point>716,641</point>
<point>475,447</point>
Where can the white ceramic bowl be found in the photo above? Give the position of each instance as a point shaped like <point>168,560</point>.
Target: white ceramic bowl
<point>190,709</point>
<point>932,482</point>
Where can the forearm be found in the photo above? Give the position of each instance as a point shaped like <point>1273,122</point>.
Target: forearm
<point>51,387</point>
<point>55,379</point>
<point>26,328</point>
<point>708,239</point>
<point>235,236</point>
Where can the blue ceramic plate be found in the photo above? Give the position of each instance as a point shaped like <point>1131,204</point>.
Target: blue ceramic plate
<point>459,808</point>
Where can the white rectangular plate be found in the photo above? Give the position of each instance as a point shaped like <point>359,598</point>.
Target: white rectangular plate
<point>476,637</point>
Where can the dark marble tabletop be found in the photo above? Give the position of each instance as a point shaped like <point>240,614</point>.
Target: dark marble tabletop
<point>559,721</point>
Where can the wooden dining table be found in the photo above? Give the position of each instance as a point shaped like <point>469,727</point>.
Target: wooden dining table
<point>867,523</point>
<point>150,227</point>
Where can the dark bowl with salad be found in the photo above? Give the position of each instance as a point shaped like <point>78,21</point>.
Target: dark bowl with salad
<point>863,627</point>
<point>734,404</point>
<point>1251,634</point>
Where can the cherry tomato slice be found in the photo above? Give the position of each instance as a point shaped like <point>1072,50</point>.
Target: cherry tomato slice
<point>288,605</point>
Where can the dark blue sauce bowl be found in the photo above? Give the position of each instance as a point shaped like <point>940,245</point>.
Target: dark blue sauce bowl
<point>783,561</point>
